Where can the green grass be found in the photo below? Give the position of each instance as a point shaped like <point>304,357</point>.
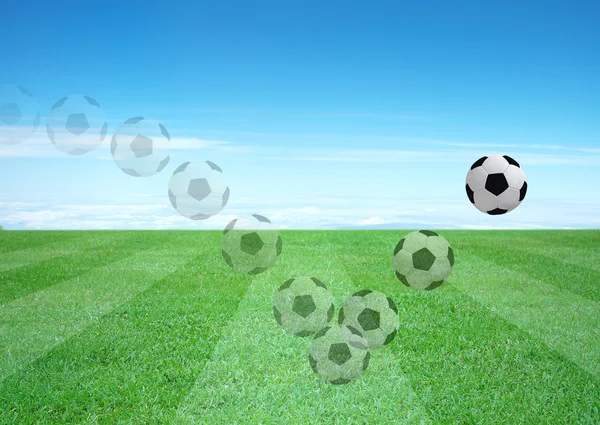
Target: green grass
<point>154,328</point>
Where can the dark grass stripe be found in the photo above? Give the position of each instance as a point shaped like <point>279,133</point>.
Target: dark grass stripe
<point>97,251</point>
<point>569,277</point>
<point>138,362</point>
<point>14,240</point>
<point>467,364</point>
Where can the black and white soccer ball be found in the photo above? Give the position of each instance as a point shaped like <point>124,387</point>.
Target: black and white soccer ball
<point>198,190</point>
<point>496,184</point>
<point>251,245</point>
<point>334,359</point>
<point>140,147</point>
<point>373,314</point>
<point>76,124</point>
<point>303,305</point>
<point>19,114</point>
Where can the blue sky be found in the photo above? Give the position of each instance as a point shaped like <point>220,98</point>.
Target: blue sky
<point>321,114</point>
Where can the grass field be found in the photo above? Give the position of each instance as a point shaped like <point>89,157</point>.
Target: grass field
<point>153,328</point>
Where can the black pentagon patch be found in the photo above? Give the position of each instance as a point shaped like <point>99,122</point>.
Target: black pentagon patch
<point>497,211</point>
<point>392,305</point>
<point>198,189</point>
<point>163,164</point>
<point>278,246</point>
<point>173,199</point>
<point>390,337</point>
<point>227,258</point>
<point>214,166</point>
<point>353,330</point>
<point>77,124</point>
<point>339,353</point>
<point>330,313</point>
<point>134,120</point>
<point>479,162</point>
<point>366,361</point>
<point>261,218</point>
<point>523,191</point>
<point>286,284</point>
<point>402,278</point>
<point>36,121</point>
<point>113,144</point>
<point>257,270</point>
<point>164,132</point>
<point>451,256</point>
<point>318,282</point>
<point>313,363</point>
<point>511,161</point>
<point>50,134</point>
<point>277,315</point>
<point>225,197</point>
<point>434,285</point>
<point>423,259</point>
<point>91,101</point>
<point>230,226</point>
<point>251,243</point>
<point>181,168</point>
<point>341,316</point>
<point>200,216</point>
<point>399,246</point>
<point>303,334</point>
<point>24,91</point>
<point>141,146</point>
<point>322,332</point>
<point>369,319</point>
<point>104,130</point>
<point>59,103</point>
<point>428,233</point>
<point>496,183</point>
<point>131,172</point>
<point>304,305</point>
<point>340,381</point>
<point>470,193</point>
<point>362,293</point>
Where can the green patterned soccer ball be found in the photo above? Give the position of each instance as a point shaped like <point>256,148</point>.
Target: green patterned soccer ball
<point>423,260</point>
<point>251,245</point>
<point>303,305</point>
<point>373,314</point>
<point>334,359</point>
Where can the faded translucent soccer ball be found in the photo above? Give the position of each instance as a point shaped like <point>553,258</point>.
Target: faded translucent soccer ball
<point>198,190</point>
<point>251,245</point>
<point>140,147</point>
<point>76,124</point>
<point>19,114</point>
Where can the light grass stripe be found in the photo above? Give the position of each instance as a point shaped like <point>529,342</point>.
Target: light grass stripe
<point>32,325</point>
<point>588,257</point>
<point>258,374</point>
<point>565,322</point>
<point>36,254</point>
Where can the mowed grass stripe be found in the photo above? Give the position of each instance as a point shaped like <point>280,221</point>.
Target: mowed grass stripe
<point>467,363</point>
<point>31,325</point>
<point>136,363</point>
<point>259,374</point>
<point>574,278</point>
<point>587,257</point>
<point>87,254</point>
<point>14,240</point>
<point>56,243</point>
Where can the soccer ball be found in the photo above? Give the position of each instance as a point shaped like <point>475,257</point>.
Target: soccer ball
<point>496,184</point>
<point>76,124</point>
<point>334,359</point>
<point>198,190</point>
<point>423,260</point>
<point>374,315</point>
<point>303,305</point>
<point>19,114</point>
<point>140,147</point>
<point>251,245</point>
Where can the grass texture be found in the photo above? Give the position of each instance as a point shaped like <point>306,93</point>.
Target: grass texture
<point>152,327</point>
